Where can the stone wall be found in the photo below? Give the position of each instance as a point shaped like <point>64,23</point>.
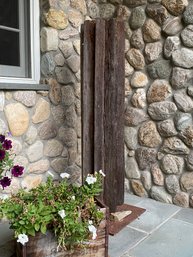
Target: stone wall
<point>159,99</point>
<point>158,96</point>
<point>45,126</point>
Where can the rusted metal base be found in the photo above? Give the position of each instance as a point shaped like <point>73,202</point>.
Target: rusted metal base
<point>116,226</point>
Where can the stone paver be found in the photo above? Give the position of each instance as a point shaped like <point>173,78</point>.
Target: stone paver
<point>124,240</point>
<point>7,250</point>
<point>132,199</point>
<point>156,213</point>
<point>163,230</point>
<point>185,215</point>
<point>7,233</point>
<point>173,239</point>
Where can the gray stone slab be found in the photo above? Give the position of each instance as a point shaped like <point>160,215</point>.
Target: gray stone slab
<point>173,239</point>
<point>6,240</point>
<point>126,255</point>
<point>132,199</point>
<point>185,215</point>
<point>8,249</point>
<point>123,241</point>
<point>6,234</point>
<point>156,213</point>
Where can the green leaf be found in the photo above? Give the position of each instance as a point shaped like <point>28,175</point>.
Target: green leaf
<point>37,227</point>
<point>24,231</point>
<point>43,228</point>
<point>31,232</point>
<point>21,222</point>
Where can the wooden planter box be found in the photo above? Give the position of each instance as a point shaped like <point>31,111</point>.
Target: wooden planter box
<point>46,245</point>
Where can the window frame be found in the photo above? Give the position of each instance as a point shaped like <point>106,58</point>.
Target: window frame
<point>34,49</point>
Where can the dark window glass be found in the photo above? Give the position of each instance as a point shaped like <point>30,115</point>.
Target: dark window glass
<point>9,14</point>
<point>9,48</point>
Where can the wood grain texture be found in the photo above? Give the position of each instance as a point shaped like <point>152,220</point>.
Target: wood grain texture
<point>99,95</point>
<point>87,94</point>
<point>113,115</point>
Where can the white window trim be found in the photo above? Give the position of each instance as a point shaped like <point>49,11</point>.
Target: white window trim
<point>35,48</point>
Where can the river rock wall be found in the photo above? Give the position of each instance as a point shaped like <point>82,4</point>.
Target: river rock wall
<point>45,125</point>
<point>159,99</point>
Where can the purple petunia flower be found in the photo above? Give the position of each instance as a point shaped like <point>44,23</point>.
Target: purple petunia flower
<point>2,138</point>
<point>17,170</point>
<point>5,182</point>
<point>2,154</point>
<point>7,144</point>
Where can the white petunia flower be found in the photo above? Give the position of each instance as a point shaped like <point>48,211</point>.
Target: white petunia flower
<point>62,214</point>
<point>22,238</point>
<point>102,173</point>
<point>64,175</point>
<point>91,180</point>
<point>93,230</point>
<point>73,197</point>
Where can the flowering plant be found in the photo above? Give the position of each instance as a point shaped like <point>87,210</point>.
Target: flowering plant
<point>65,209</point>
<point>7,167</point>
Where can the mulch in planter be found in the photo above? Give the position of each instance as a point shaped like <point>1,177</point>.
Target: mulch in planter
<point>116,226</point>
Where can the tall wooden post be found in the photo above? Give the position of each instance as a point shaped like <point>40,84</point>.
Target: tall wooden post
<point>114,114</point>
<point>87,95</point>
<point>99,84</point>
<point>103,105</point>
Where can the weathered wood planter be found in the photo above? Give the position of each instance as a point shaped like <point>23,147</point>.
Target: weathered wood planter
<point>46,245</point>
